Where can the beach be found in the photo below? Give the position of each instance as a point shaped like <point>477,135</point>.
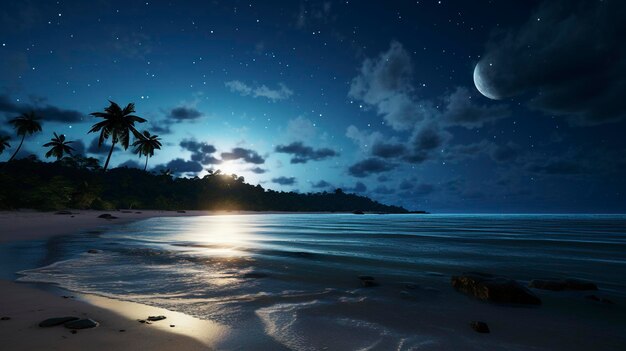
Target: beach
<point>26,304</point>
<point>302,281</point>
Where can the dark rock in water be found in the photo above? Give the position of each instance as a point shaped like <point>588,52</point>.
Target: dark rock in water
<point>599,299</point>
<point>86,323</point>
<point>93,251</point>
<point>63,212</point>
<point>563,284</point>
<point>122,330</point>
<point>53,322</point>
<point>138,212</point>
<point>368,281</point>
<point>5,318</point>
<point>255,275</point>
<point>181,211</point>
<point>67,296</point>
<point>126,211</point>
<point>358,212</point>
<point>141,320</point>
<point>107,216</point>
<point>480,327</point>
<point>156,318</point>
<point>172,325</point>
<point>490,288</point>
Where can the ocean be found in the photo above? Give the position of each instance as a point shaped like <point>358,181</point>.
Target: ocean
<point>290,281</point>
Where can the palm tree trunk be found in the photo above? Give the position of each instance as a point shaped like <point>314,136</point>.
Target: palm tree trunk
<point>106,164</point>
<point>146,166</point>
<point>18,148</point>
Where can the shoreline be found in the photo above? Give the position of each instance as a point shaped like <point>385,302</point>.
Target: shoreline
<point>27,304</point>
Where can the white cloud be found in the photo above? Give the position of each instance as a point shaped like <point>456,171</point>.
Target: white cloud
<point>282,93</point>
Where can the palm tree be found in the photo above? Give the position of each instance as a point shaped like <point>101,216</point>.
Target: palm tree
<point>59,147</point>
<point>118,124</point>
<point>4,143</point>
<point>25,124</point>
<point>146,145</point>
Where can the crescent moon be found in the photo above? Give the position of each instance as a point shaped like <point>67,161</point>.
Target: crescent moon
<point>483,87</point>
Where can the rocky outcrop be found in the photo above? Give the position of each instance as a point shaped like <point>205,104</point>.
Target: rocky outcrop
<point>492,288</point>
<point>480,327</point>
<point>53,322</point>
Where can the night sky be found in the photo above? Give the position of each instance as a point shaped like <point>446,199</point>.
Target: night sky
<point>446,106</point>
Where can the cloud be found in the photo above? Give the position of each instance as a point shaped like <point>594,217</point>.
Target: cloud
<point>369,166</point>
<point>200,152</point>
<point>362,138</point>
<point>284,180</point>
<point>46,112</point>
<point>382,189</point>
<point>130,164</point>
<point>78,145</point>
<point>505,153</point>
<point>556,166</point>
<point>388,150</point>
<point>301,128</point>
<point>321,184</point>
<point>180,166</point>
<point>460,110</point>
<point>274,95</point>
<point>569,57</point>
<point>359,187</point>
<point>247,155</point>
<point>304,154</point>
<point>257,170</point>
<point>427,138</point>
<point>385,82</point>
<point>161,129</point>
<point>183,113</point>
<point>102,150</point>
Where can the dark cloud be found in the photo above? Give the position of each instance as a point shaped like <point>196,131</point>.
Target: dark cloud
<point>383,190</point>
<point>425,139</point>
<point>569,57</point>
<point>505,153</point>
<point>200,151</point>
<point>370,166</point>
<point>184,113</point>
<point>162,128</point>
<point>46,112</point>
<point>130,164</point>
<point>102,150</point>
<point>321,184</point>
<point>388,150</point>
<point>247,155</point>
<point>556,166</point>
<point>383,178</point>
<point>462,111</point>
<point>284,180</point>
<point>258,170</point>
<point>303,154</point>
<point>406,184</point>
<point>79,147</point>
<point>180,166</point>
<point>423,189</point>
<point>358,187</point>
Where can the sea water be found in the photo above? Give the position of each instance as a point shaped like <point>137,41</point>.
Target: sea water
<point>291,280</point>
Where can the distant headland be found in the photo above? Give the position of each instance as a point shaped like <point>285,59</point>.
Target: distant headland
<point>77,182</point>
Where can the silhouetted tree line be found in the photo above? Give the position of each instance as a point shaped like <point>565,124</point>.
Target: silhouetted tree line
<point>77,182</point>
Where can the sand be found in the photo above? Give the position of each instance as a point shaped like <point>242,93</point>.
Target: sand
<point>26,305</point>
